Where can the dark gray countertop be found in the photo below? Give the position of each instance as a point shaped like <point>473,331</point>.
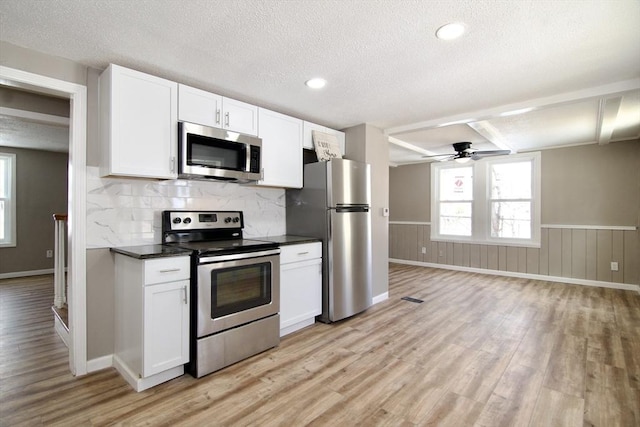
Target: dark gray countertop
<point>288,239</point>
<point>150,251</point>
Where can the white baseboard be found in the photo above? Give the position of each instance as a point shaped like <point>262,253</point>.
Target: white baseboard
<point>100,363</point>
<point>26,273</point>
<point>570,280</point>
<point>140,384</point>
<point>61,330</point>
<point>380,298</point>
<point>297,326</point>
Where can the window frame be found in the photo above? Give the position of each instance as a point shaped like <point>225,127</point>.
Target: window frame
<point>10,239</point>
<point>481,204</point>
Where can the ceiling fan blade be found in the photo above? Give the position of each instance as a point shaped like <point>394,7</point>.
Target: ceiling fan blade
<point>488,153</point>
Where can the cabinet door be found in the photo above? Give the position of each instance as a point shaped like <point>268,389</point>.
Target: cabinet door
<point>239,116</point>
<point>198,106</point>
<point>281,149</point>
<point>300,291</point>
<point>139,124</point>
<point>166,326</point>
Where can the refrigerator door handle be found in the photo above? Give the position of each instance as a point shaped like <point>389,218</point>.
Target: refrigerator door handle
<point>342,209</point>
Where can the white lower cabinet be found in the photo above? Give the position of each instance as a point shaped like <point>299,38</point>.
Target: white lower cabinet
<point>151,319</point>
<point>300,286</point>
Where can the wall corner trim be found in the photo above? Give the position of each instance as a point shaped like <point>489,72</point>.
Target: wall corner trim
<point>566,280</point>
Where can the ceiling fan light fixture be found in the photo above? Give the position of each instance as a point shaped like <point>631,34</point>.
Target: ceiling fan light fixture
<point>462,160</point>
<point>450,31</point>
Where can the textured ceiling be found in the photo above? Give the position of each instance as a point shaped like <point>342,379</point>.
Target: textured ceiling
<point>382,62</point>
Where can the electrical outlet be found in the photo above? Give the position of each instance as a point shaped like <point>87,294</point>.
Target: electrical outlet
<point>614,266</point>
<point>441,254</point>
<point>49,253</point>
<point>424,250</point>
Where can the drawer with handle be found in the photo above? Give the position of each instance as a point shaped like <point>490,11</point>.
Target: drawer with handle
<point>301,252</point>
<point>168,269</point>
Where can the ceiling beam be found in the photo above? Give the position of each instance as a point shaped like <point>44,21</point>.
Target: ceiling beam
<point>608,109</point>
<point>555,100</point>
<point>411,147</point>
<point>491,134</point>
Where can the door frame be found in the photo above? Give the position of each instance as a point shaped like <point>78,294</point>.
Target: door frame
<point>76,234</point>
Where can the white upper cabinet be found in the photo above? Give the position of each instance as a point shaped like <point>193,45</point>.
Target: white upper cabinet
<point>308,138</point>
<point>138,124</point>
<point>209,109</point>
<point>198,106</point>
<point>281,149</point>
<point>239,116</point>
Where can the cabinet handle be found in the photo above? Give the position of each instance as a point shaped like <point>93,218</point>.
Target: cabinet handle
<point>185,294</point>
<point>226,119</point>
<point>173,164</point>
<point>170,270</point>
<point>217,117</point>
<point>303,253</point>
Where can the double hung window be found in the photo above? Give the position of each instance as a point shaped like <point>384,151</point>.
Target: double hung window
<point>490,201</point>
<point>7,199</point>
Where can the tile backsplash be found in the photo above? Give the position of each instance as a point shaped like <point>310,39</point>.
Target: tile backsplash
<point>126,212</point>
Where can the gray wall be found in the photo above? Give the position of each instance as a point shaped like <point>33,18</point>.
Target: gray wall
<point>39,63</point>
<point>368,144</point>
<point>595,186</point>
<point>41,191</point>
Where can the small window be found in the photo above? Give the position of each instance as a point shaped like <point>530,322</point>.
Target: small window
<point>7,199</point>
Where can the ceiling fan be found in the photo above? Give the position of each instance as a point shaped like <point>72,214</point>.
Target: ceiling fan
<point>464,153</point>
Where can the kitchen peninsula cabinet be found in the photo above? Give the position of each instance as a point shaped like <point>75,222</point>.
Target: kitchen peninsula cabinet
<point>151,318</point>
<point>300,285</point>
<point>281,149</point>
<point>138,124</point>
<point>308,135</point>
<point>209,109</point>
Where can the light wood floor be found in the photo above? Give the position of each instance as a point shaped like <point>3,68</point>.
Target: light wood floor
<point>479,351</point>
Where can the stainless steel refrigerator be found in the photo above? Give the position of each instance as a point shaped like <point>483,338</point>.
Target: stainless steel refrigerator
<point>333,205</point>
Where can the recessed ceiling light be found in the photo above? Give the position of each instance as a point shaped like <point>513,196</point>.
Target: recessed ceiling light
<point>450,31</point>
<point>316,83</point>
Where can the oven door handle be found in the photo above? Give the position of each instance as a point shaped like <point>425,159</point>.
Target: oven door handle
<point>234,257</point>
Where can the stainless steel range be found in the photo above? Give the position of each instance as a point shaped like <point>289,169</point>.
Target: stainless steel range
<point>235,285</point>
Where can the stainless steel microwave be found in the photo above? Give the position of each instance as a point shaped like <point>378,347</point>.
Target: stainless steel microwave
<point>210,153</point>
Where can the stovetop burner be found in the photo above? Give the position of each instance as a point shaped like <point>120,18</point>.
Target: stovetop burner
<point>209,232</point>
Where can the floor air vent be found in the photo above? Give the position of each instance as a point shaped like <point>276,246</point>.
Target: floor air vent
<point>412,299</point>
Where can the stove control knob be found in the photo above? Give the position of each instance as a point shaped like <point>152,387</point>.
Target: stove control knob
<point>236,219</point>
<point>227,220</point>
<point>187,220</point>
<point>177,220</point>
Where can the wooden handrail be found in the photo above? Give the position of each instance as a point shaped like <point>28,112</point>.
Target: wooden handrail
<point>60,217</point>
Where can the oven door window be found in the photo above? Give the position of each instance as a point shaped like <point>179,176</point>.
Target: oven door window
<point>235,289</point>
<point>215,153</point>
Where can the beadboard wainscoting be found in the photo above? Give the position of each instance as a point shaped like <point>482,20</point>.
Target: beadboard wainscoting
<point>123,212</point>
<point>566,251</point>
